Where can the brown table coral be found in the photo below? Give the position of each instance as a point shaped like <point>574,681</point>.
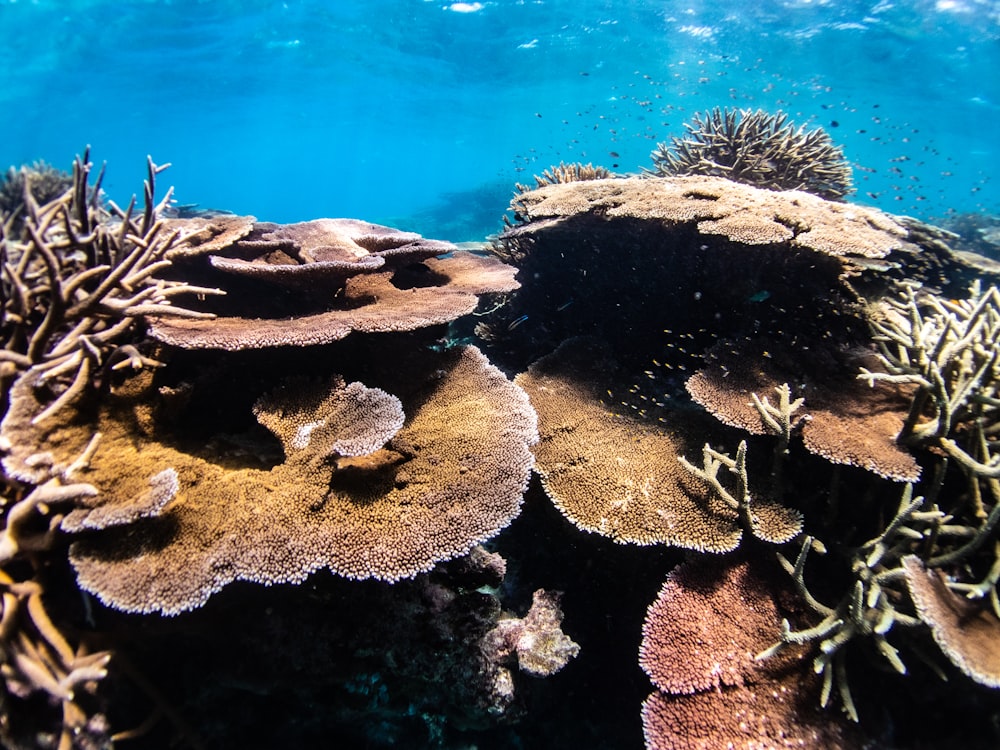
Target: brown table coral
<point>613,474</point>
<point>315,282</point>
<point>699,642</point>
<point>360,489</point>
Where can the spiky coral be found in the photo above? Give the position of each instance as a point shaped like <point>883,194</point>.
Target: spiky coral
<point>44,182</point>
<point>758,149</point>
<point>576,172</point>
<point>77,278</point>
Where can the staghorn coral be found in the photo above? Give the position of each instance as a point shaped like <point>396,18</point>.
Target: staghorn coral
<point>45,184</point>
<point>536,640</point>
<point>765,519</point>
<point>576,172</point>
<point>35,655</point>
<point>315,282</point>
<point>75,284</point>
<point>948,350</point>
<point>870,608</point>
<point>757,149</point>
<point>699,640</point>
<point>452,476</point>
<point>612,474</point>
<point>37,659</point>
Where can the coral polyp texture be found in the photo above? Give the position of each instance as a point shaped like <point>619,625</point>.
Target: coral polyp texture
<point>699,641</point>
<point>315,282</point>
<point>359,491</point>
<point>757,148</point>
<point>842,419</point>
<point>743,213</point>
<point>536,641</point>
<point>612,474</point>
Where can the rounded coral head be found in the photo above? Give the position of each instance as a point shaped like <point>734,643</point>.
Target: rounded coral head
<point>758,149</point>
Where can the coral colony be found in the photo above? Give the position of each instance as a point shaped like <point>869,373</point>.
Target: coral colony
<point>721,356</point>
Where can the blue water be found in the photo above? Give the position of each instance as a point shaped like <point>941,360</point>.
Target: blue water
<point>424,114</point>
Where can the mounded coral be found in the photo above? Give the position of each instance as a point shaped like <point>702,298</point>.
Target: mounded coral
<point>758,149</point>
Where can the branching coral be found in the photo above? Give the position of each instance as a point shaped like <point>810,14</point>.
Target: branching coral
<point>949,350</point>
<point>44,182</point>
<point>565,173</point>
<point>76,282</point>
<point>35,656</point>
<point>759,149</point>
<point>766,520</point>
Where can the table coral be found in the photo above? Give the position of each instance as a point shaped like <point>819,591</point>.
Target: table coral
<point>842,419</point>
<point>718,206</point>
<point>314,282</point>
<point>450,477</point>
<point>612,474</point>
<point>699,641</point>
<point>966,633</point>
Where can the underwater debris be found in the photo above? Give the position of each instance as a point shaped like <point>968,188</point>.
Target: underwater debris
<point>757,148</point>
<point>315,282</point>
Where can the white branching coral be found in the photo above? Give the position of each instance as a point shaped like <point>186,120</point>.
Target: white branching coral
<point>949,349</point>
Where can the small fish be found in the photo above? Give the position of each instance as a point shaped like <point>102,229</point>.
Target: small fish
<point>563,306</point>
<point>516,322</point>
<point>760,296</point>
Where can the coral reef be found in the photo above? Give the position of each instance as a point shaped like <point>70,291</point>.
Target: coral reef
<point>756,148</point>
<point>840,348</point>
<point>698,646</point>
<point>714,378</point>
<point>315,282</point>
<point>178,470</point>
<point>44,184</point>
<point>565,173</point>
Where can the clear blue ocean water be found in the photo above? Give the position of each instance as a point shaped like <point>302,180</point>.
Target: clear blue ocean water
<point>423,114</point>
